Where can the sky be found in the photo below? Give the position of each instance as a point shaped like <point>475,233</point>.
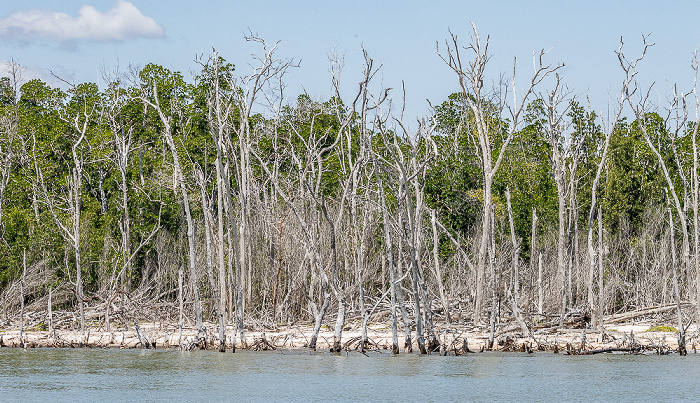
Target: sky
<point>79,39</point>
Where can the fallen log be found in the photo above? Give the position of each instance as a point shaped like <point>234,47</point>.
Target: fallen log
<point>606,350</point>
<point>622,317</point>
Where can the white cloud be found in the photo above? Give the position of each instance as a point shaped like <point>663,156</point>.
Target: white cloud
<point>124,21</point>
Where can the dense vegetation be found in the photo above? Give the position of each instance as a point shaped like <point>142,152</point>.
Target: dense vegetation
<point>220,196</point>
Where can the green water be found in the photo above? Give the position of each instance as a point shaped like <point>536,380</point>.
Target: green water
<point>79,375</point>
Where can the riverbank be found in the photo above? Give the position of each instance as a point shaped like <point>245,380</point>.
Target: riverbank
<point>452,339</point>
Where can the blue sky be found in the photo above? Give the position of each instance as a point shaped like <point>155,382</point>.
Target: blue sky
<point>76,39</point>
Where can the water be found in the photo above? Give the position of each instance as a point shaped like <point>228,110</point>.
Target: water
<point>166,376</point>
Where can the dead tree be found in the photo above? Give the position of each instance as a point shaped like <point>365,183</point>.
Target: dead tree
<point>9,127</point>
<point>111,108</point>
<point>487,114</point>
<point>675,123</point>
<point>305,186</point>
<point>265,80</point>
<point>220,107</point>
<point>150,97</point>
<point>354,120</point>
<point>595,260</point>
<point>676,286</point>
<point>556,104</point>
<point>696,188</point>
<point>389,256</point>
<point>409,157</point>
<point>515,268</point>
<point>78,114</point>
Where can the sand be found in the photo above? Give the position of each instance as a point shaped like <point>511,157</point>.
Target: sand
<point>632,336</point>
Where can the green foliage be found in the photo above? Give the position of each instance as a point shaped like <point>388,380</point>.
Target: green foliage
<point>453,183</point>
<point>633,179</point>
<point>663,328</point>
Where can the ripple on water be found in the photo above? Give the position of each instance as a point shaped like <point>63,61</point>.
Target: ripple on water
<point>168,375</point>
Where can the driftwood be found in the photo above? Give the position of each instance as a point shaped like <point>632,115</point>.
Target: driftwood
<point>630,350</point>
<point>622,317</point>
<point>143,338</point>
<point>262,344</point>
<point>355,343</point>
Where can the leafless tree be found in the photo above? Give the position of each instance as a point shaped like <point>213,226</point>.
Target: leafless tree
<point>9,125</point>
<point>676,122</point>
<point>150,97</point>
<point>556,104</point>
<point>79,117</point>
<point>488,113</point>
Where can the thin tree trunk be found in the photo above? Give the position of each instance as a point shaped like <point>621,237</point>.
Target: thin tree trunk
<point>533,249</point>
<point>50,309</point>
<point>389,252</point>
<point>676,288</point>
<point>515,268</point>
<point>338,287</point>
<point>483,251</point>
<point>220,258</point>
<point>494,283</point>
<point>561,252</point>
<point>408,342</point>
<point>21,291</point>
<point>77,194</point>
<point>208,231</point>
<point>601,255</point>
<point>180,178</point>
<point>438,271</point>
<point>181,299</point>
<point>322,312</point>
<point>696,221</point>
<point>540,289</point>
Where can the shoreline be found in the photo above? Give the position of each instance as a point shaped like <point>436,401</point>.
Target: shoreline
<point>621,337</point>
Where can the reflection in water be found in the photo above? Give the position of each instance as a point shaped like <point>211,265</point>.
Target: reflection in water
<point>161,375</point>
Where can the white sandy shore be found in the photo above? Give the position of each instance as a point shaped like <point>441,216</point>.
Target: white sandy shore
<point>451,338</point>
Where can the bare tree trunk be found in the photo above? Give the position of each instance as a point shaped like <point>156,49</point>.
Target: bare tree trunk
<point>482,257</point>
<point>208,231</point>
<point>337,285</point>
<point>389,253</point>
<point>679,107</point>
<point>438,272</point>
<point>220,258</point>
<point>408,342</point>
<point>591,274</point>
<point>696,194</point>
<point>561,255</point>
<point>77,180</point>
<point>601,255</point>
<point>533,249</point>
<point>676,288</point>
<point>555,130</point>
<point>515,268</point>
<point>179,176</point>
<point>420,335</point>
<point>320,314</point>
<point>540,289</point>
<point>50,310</point>
<point>471,80</point>
<point>360,266</point>
<point>182,303</point>
<point>596,304</point>
<point>9,127</point>
<point>70,232</point>
<point>21,290</point>
<point>494,283</point>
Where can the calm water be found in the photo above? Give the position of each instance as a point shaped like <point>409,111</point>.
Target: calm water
<point>133,375</point>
